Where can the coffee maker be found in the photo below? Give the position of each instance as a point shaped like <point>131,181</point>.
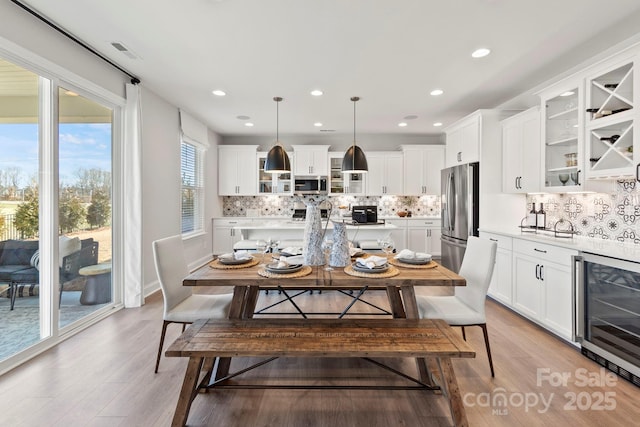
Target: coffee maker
<point>364,214</point>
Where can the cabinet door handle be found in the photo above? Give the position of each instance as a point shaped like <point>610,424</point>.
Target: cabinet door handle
<point>493,240</point>
<point>459,156</point>
<point>638,172</point>
<point>539,250</point>
<point>537,271</point>
<point>542,273</point>
<point>578,177</point>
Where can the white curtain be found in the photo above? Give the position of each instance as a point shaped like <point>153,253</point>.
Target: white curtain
<point>132,192</point>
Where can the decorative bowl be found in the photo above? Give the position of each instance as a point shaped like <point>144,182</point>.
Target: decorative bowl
<point>402,214</point>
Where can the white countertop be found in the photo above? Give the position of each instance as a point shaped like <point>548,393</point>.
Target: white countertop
<point>610,248</point>
<point>294,225</point>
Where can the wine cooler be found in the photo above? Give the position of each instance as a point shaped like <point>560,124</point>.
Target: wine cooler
<point>608,313</point>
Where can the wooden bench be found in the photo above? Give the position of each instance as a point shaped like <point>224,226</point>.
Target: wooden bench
<point>206,340</point>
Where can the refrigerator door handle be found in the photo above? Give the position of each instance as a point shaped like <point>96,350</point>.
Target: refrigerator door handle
<point>453,242</point>
<point>577,303</point>
<point>447,192</point>
<point>452,202</point>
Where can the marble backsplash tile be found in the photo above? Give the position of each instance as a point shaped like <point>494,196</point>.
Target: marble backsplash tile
<point>612,216</point>
<point>235,206</point>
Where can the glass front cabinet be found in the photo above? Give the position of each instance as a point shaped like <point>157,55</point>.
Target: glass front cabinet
<point>343,183</point>
<point>611,141</point>
<point>273,183</point>
<point>562,130</point>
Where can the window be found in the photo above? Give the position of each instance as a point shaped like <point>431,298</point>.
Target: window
<point>191,171</point>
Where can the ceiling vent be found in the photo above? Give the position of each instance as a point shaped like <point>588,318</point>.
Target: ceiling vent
<point>125,50</point>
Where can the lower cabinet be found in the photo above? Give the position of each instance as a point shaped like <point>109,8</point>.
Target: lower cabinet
<point>534,279</point>
<point>224,236</point>
<point>423,235</point>
<point>399,235</point>
<point>501,280</point>
<point>542,285</point>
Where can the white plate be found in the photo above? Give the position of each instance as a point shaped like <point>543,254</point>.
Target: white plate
<point>273,268</point>
<point>414,261</point>
<point>376,269</point>
<point>233,261</point>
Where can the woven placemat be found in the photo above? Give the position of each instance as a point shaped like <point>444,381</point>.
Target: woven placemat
<point>392,271</point>
<point>300,273</point>
<point>428,265</point>
<point>220,266</point>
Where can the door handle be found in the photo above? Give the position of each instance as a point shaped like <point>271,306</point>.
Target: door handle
<point>539,250</point>
<point>537,271</point>
<point>542,272</point>
<point>638,172</point>
<point>577,306</point>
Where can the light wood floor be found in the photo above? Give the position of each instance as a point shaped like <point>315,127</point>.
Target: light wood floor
<point>104,377</point>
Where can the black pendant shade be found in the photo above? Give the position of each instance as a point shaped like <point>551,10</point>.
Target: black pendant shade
<point>277,158</point>
<point>354,160</point>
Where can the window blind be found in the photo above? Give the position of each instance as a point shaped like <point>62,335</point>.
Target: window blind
<point>192,176</point>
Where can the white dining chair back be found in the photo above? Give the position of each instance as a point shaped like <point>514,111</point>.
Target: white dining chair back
<point>477,269</point>
<point>466,307</point>
<point>181,305</point>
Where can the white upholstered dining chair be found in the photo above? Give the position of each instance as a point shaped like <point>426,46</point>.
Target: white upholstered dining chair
<point>466,306</point>
<point>180,304</point>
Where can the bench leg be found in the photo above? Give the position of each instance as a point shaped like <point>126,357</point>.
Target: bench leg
<point>452,391</point>
<point>188,392</point>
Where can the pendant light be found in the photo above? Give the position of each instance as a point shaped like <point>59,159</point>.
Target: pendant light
<point>354,160</point>
<point>277,159</point>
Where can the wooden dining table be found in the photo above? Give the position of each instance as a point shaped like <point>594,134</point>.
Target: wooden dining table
<point>400,289</point>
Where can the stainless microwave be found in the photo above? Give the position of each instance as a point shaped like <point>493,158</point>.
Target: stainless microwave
<point>310,185</point>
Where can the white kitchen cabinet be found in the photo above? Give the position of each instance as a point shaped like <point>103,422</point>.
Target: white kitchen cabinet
<point>611,140</point>
<point>521,144</point>
<point>422,166</point>
<point>399,235</point>
<point>237,170</point>
<point>344,183</point>
<point>423,235</point>
<point>542,285</point>
<point>501,287</point>
<point>385,173</point>
<point>273,183</point>
<point>311,160</point>
<point>224,236</point>
<point>463,141</point>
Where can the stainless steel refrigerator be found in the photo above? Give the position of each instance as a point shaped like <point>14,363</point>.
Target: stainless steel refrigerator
<point>459,211</point>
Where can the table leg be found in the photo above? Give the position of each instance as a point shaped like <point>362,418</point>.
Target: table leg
<point>411,307</point>
<point>452,392</point>
<point>251,299</point>
<point>395,302</point>
<point>188,392</point>
<point>236,311</point>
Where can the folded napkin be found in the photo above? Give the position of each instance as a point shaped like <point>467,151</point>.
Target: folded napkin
<point>408,254</point>
<point>293,250</point>
<point>372,261</point>
<point>286,261</point>
<point>238,255</point>
<point>355,251</point>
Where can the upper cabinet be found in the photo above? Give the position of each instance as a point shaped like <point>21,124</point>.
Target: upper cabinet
<point>385,173</point>
<point>273,183</point>
<point>237,170</point>
<point>463,141</point>
<point>344,183</point>
<point>521,152</point>
<point>563,155</point>
<point>611,144</point>
<point>422,166</point>
<point>311,160</point>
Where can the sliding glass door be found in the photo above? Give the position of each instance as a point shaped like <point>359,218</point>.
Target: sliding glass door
<point>56,208</point>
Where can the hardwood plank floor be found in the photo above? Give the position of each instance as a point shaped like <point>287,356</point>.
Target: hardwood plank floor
<point>104,377</point>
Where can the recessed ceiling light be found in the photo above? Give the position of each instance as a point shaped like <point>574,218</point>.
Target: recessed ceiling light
<point>410,117</point>
<point>316,92</point>
<point>219,92</point>
<point>437,92</point>
<point>317,124</point>
<point>402,124</point>
<point>567,93</point>
<point>248,124</point>
<point>479,53</point>
<point>436,124</point>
